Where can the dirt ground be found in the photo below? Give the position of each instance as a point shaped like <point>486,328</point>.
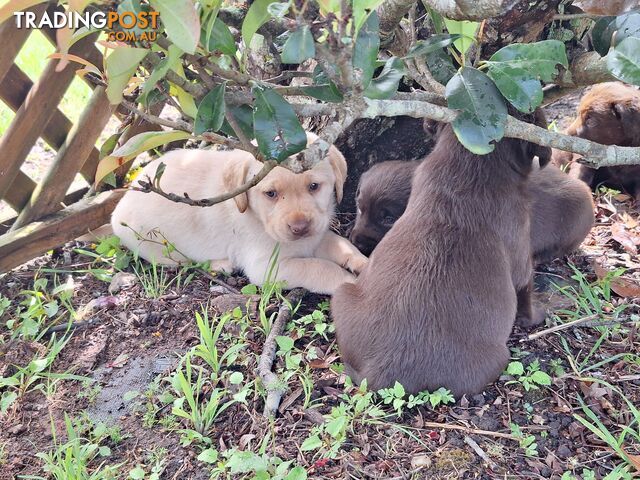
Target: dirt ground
<point>566,407</point>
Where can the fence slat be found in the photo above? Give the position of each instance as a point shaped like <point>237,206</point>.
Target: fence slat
<point>34,114</point>
<point>50,192</point>
<point>8,218</point>
<point>14,90</point>
<point>18,194</point>
<point>27,242</point>
<point>12,39</point>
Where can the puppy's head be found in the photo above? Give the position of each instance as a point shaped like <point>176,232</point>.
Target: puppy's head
<point>292,206</point>
<point>382,197</point>
<point>609,114</point>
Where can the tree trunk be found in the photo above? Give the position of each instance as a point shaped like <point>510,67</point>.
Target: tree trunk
<point>368,142</point>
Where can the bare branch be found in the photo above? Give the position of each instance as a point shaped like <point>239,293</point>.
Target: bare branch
<point>176,125</point>
<point>148,186</point>
<point>470,9</point>
<point>270,380</point>
<point>595,155</point>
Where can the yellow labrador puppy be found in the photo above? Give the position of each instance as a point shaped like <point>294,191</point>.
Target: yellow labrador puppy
<point>291,209</point>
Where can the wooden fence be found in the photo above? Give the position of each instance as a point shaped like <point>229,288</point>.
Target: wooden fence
<point>48,214</point>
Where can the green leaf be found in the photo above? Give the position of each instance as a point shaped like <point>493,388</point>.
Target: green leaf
<point>245,462</point>
<point>367,44</point>
<point>624,26</point>
<point>278,10</point>
<point>311,443</point>
<point>210,111</point>
<point>6,400</point>
<point>220,39</point>
<point>386,84</point>
<point>541,378</point>
<point>243,115</point>
<point>134,146</point>
<point>299,46</point>
<point>276,126</point>
<point>249,289</point>
<point>465,29</point>
<point>257,15</point>
<point>285,343</point>
<point>601,35</point>
<point>398,390</point>
<point>518,86</point>
<point>515,368</point>
<point>360,9</point>
<point>120,66</point>
<point>540,59</point>
<point>483,111</point>
<point>431,44</point>
<point>236,378</point>
<point>336,426</point>
<point>441,66</point>
<point>137,473</point>
<point>159,71</point>
<point>296,473</point>
<point>181,22</point>
<point>624,61</point>
<point>210,455</point>
<point>323,88</point>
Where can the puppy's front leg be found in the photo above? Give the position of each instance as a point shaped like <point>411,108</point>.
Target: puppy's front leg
<point>341,251</point>
<point>528,315</point>
<point>315,274</point>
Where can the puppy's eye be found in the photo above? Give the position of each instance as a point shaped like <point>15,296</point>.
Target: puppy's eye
<point>314,186</point>
<point>388,220</point>
<point>271,193</point>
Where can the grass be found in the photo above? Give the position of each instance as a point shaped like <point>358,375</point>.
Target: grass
<point>32,59</point>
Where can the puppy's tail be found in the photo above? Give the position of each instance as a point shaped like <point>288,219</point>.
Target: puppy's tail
<point>97,234</point>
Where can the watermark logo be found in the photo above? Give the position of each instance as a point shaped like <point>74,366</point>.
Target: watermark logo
<point>120,26</point>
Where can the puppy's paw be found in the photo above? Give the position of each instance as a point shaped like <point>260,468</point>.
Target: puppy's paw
<point>537,317</point>
<point>356,263</point>
<point>224,265</point>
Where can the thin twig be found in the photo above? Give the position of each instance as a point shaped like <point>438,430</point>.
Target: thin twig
<point>481,453</point>
<point>69,327</point>
<point>176,125</point>
<point>270,380</point>
<point>557,328</point>
<point>217,281</point>
<point>470,431</point>
<point>148,186</point>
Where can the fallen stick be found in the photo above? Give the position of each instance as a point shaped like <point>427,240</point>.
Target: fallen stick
<point>557,328</point>
<point>480,452</point>
<point>270,380</point>
<point>470,431</point>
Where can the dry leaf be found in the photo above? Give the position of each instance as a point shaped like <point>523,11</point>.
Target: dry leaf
<point>622,286</point>
<point>624,238</point>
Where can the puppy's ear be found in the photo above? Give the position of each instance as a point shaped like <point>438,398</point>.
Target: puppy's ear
<point>339,167</point>
<point>629,117</point>
<point>234,176</point>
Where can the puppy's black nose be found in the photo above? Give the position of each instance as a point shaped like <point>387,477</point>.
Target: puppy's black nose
<point>299,228</point>
<point>363,243</point>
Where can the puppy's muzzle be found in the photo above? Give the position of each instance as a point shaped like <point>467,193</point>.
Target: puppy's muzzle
<point>300,227</point>
<point>363,242</point>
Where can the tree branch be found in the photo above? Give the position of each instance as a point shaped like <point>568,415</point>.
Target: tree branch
<point>148,186</point>
<point>470,9</point>
<point>596,155</point>
<point>270,380</point>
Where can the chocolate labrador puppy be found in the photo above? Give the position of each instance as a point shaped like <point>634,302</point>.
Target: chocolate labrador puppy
<point>561,208</point>
<point>609,114</point>
<point>438,299</point>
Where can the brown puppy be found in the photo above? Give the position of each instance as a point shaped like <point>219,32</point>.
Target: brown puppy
<point>438,299</point>
<point>561,208</point>
<point>609,114</point>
